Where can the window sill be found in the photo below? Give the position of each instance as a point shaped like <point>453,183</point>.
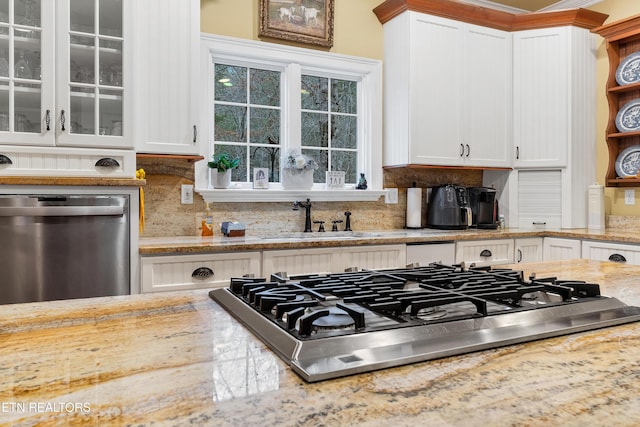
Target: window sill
<point>250,195</point>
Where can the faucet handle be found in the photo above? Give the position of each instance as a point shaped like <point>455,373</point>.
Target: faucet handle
<point>321,227</point>
<point>347,225</point>
<point>335,223</point>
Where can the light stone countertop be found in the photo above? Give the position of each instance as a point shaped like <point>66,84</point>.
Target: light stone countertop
<point>176,359</point>
<point>299,240</point>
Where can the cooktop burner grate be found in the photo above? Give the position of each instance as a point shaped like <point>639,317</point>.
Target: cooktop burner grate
<point>330,325</point>
<point>313,306</point>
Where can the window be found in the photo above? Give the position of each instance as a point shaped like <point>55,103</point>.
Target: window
<point>263,101</point>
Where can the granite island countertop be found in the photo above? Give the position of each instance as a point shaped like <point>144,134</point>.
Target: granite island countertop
<point>299,240</point>
<point>176,359</point>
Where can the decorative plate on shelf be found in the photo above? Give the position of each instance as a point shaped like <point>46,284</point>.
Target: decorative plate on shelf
<point>629,70</point>
<point>628,118</point>
<point>628,162</point>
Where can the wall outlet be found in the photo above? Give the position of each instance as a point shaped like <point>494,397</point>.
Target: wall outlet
<point>629,197</point>
<point>391,196</point>
<point>186,196</point>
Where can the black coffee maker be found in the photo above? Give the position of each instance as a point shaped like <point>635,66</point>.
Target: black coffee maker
<point>484,207</point>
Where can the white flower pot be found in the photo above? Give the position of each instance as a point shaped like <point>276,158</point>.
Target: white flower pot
<point>297,179</point>
<point>220,179</point>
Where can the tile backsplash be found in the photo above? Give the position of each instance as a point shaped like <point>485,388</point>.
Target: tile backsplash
<point>166,216</point>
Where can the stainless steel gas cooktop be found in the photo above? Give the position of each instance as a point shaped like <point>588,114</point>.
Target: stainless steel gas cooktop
<point>331,325</point>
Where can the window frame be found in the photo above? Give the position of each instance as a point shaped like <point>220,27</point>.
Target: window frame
<point>294,62</point>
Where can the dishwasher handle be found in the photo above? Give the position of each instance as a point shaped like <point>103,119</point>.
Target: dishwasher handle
<point>62,211</point>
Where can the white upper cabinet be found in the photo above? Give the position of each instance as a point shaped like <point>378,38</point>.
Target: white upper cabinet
<point>554,97</point>
<point>447,92</point>
<point>540,97</point>
<point>166,76</point>
<point>63,74</point>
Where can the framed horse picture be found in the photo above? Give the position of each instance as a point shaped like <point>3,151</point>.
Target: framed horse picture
<point>302,21</point>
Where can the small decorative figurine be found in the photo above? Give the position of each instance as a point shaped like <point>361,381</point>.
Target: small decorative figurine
<point>362,183</point>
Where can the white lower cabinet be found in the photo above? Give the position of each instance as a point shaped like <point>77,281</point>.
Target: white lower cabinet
<point>528,249</point>
<point>374,257</point>
<point>181,272</point>
<point>602,251</point>
<point>332,260</point>
<point>485,252</point>
<point>555,249</point>
<point>425,253</point>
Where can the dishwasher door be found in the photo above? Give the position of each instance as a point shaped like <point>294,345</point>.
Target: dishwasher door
<point>60,247</point>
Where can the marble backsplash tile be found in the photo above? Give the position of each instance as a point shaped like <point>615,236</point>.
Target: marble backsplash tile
<point>166,216</point>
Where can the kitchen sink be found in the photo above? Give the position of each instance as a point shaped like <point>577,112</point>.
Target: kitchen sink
<point>347,235</point>
<point>327,235</point>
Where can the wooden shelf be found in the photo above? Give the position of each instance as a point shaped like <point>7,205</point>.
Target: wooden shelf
<point>623,134</point>
<point>622,39</point>
<point>188,158</point>
<point>623,89</point>
<point>623,182</point>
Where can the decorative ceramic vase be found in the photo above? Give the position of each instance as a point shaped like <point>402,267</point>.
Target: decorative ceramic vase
<point>220,179</point>
<point>297,179</point>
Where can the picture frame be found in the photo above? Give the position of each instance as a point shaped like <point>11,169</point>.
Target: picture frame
<point>335,180</point>
<point>260,178</point>
<point>301,21</point>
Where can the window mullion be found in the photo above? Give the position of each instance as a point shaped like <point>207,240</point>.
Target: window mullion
<point>292,114</point>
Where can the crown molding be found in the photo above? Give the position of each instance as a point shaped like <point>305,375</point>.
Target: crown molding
<point>488,17</point>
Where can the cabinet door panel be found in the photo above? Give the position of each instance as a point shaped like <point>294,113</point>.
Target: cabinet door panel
<point>435,84</point>
<point>27,63</point>
<point>487,97</point>
<point>374,257</point>
<point>540,97</point>
<point>557,249</point>
<point>301,261</point>
<point>166,76</point>
<point>485,252</point>
<point>93,63</point>
<point>528,250</point>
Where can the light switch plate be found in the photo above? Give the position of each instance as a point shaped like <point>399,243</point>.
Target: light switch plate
<point>186,196</point>
<point>629,197</point>
<point>391,196</point>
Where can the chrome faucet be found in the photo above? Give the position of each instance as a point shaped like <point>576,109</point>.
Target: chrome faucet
<point>307,207</point>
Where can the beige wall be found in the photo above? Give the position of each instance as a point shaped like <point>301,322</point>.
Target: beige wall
<point>357,30</point>
<point>616,9</point>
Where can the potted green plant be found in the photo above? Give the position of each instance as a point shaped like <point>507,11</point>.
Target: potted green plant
<point>221,165</point>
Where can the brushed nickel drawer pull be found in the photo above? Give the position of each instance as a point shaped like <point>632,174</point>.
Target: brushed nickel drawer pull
<point>202,273</point>
<point>486,253</point>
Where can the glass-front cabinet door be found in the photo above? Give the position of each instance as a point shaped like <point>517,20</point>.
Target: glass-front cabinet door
<point>90,78</point>
<point>26,72</point>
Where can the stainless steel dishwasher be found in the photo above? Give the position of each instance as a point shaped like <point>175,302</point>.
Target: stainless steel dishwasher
<point>63,246</point>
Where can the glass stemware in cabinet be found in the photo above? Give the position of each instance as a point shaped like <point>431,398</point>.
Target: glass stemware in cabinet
<point>4,63</point>
<point>30,16</point>
<point>22,68</point>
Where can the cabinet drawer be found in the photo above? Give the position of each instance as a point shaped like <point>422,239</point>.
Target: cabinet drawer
<point>180,272</point>
<point>485,252</point>
<point>600,251</point>
<point>424,254</point>
<point>75,162</point>
<point>333,260</point>
<point>374,257</point>
<point>555,249</point>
